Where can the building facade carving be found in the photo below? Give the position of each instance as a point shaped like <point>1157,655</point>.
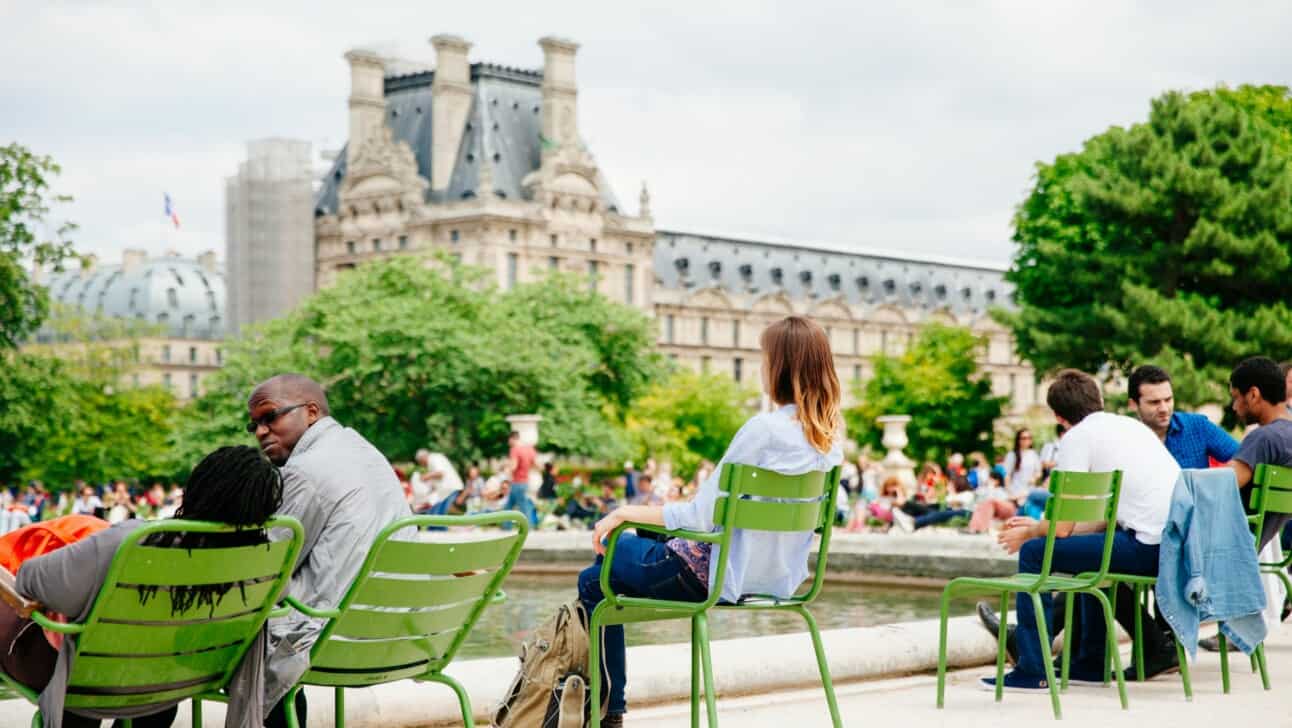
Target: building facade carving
<point>486,163</point>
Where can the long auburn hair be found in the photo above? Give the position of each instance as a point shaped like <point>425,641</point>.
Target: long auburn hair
<point>800,371</point>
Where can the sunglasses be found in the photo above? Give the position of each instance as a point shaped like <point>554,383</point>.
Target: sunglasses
<point>268,418</point>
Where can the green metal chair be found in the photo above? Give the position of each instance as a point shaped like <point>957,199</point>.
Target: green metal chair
<point>410,607</point>
<point>1074,497</point>
<point>1271,493</point>
<point>750,498</point>
<point>1141,587</point>
<point>134,649</point>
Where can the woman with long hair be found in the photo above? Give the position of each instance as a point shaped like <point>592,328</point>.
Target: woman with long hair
<point>1022,466</point>
<point>803,434</point>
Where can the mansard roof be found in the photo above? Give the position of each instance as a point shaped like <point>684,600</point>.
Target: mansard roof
<point>812,271</point>
<point>503,125</point>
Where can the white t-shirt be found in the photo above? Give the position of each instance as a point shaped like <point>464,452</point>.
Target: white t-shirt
<point>1021,481</point>
<point>1103,442</point>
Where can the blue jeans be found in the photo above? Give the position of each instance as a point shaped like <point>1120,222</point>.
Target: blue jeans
<point>1034,506</point>
<point>518,499</point>
<point>642,567</point>
<point>933,518</point>
<point>1073,555</point>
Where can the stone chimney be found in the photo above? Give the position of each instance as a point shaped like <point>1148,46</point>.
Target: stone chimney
<point>560,94</point>
<point>367,97</point>
<point>450,104</point>
<point>132,258</point>
<point>207,261</point>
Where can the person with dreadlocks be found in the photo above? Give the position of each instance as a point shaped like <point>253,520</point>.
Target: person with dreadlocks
<point>233,485</point>
<point>342,490</point>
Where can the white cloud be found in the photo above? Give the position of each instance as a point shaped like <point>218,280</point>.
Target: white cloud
<point>909,125</point>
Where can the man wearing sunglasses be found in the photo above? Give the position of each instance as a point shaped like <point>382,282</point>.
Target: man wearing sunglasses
<point>343,491</point>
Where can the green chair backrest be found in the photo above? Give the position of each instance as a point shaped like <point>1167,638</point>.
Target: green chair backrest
<point>1271,492</point>
<point>1080,497</point>
<point>764,500</point>
<point>137,648</point>
<point>415,600</point>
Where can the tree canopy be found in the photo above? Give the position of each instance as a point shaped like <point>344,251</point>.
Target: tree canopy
<point>25,238</point>
<point>937,382</point>
<point>1166,242</point>
<point>689,418</point>
<point>416,355</point>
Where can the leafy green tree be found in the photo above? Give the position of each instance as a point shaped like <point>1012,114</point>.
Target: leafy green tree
<point>1170,242</point>
<point>937,382</point>
<point>416,355</point>
<point>689,418</point>
<point>25,200</point>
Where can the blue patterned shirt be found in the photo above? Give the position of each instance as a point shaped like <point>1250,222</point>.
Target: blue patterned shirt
<point>1190,438</point>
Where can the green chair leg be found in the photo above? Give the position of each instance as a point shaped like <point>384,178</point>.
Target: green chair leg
<point>1044,634</point>
<point>1002,639</point>
<point>1183,659</point>
<point>289,708</point>
<point>36,721</point>
<point>822,665</point>
<point>1108,658</point>
<point>1259,655</point>
<point>197,713</point>
<point>1067,637</point>
<point>710,689</point>
<point>695,674</point>
<point>1224,661</point>
<point>595,633</point>
<point>1110,627</point>
<point>464,702</point>
<point>338,709</point>
<point>942,644</point>
<point>1138,645</point>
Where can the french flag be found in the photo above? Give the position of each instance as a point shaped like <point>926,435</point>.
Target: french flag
<point>170,210</point>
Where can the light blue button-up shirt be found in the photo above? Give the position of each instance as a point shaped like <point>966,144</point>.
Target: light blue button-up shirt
<point>761,562</point>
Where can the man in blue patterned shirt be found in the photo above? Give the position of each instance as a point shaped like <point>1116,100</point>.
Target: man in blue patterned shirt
<point>1192,439</point>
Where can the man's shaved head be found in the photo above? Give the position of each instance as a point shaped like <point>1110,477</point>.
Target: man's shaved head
<point>281,409</point>
<point>293,387</point>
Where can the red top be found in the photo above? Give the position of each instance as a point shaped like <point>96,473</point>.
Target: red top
<point>524,455</point>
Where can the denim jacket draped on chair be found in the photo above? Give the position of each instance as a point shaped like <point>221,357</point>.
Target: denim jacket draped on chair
<point>1207,565</point>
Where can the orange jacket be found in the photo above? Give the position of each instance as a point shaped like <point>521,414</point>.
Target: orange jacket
<point>37,539</point>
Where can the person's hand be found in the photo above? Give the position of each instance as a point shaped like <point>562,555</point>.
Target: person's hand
<point>1018,531</point>
<point>603,528</point>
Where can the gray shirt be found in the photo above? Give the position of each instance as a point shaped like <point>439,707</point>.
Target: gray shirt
<point>1270,444</point>
<point>67,580</point>
<point>343,491</point>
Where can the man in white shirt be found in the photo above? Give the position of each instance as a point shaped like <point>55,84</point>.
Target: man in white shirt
<point>1094,441</point>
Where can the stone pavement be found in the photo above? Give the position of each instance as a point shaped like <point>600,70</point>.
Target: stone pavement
<point>910,701</point>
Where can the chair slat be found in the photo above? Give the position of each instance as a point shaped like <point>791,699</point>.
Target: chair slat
<point>1067,508</point>
<point>346,678</point>
<point>381,654</point>
<point>381,592</point>
<point>1274,476</point>
<point>134,639</point>
<point>442,557</point>
<point>1075,483</point>
<point>366,624</point>
<point>749,480</point>
<point>122,604</point>
<point>75,700</point>
<point>1278,501</point>
<point>117,672</point>
<point>773,516</point>
<point>178,566</point>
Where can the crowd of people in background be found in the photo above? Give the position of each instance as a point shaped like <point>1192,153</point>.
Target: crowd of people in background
<point>113,502</point>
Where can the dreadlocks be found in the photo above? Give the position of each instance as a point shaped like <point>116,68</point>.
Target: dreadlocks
<point>236,486</point>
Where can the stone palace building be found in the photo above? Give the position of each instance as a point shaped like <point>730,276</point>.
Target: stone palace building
<point>486,163</point>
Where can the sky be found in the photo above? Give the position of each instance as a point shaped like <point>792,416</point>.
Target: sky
<point>913,126</point>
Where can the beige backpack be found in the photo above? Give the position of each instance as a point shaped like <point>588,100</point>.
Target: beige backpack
<point>551,688</point>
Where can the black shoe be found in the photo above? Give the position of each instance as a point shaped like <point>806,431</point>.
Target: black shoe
<point>991,622</point>
<point>1156,663</point>
<point>613,720</point>
<point>1210,644</point>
